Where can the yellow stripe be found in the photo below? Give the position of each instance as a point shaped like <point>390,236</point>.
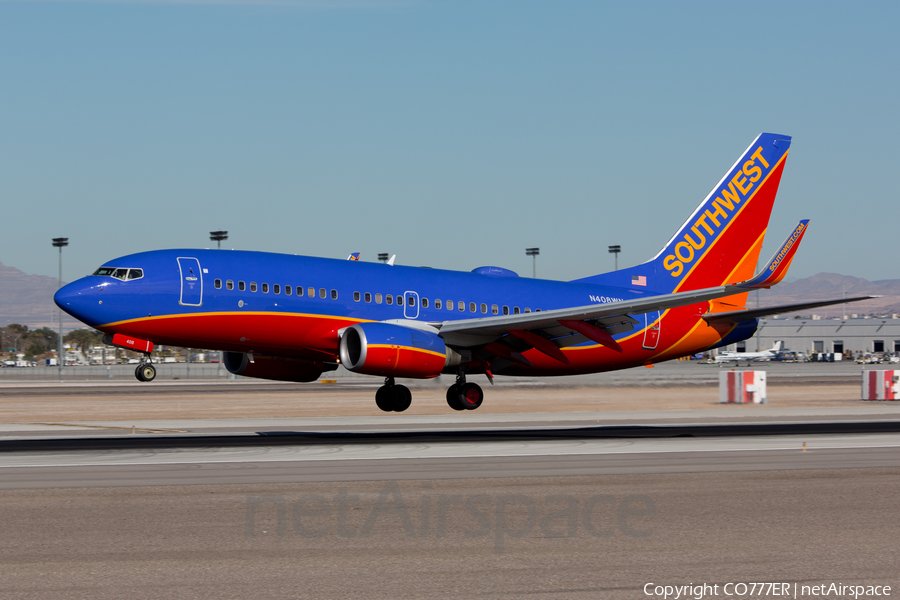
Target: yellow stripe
<point>730,221</point>
<point>238,313</point>
<point>393,346</point>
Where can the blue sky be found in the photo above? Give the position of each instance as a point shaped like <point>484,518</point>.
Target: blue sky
<point>453,134</point>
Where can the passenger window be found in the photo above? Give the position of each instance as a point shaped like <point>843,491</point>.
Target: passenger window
<point>265,288</point>
<point>377,298</point>
<point>399,300</point>
<point>287,290</point>
<point>528,310</point>
<point>537,310</point>
<point>449,304</point>
<point>368,297</point>
<point>494,309</point>
<point>218,284</point>
<point>425,302</point>
<point>411,300</point>
<point>505,310</point>
<point>356,296</point>
<point>252,286</point>
<point>229,284</point>
<point>242,286</point>
<point>484,308</point>
<point>515,310</point>
<point>135,273</point>
<point>321,292</point>
<point>471,307</point>
<point>462,306</point>
<point>437,303</point>
<point>334,294</point>
<point>276,288</point>
<point>390,299</point>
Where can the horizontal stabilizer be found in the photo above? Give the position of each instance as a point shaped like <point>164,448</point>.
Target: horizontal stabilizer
<point>745,315</point>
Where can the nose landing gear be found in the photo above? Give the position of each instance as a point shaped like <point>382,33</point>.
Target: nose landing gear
<point>392,397</point>
<point>145,371</point>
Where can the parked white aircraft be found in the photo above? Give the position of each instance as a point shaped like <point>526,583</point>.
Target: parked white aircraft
<point>748,356</point>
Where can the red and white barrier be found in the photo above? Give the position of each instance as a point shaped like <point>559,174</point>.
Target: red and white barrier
<point>742,387</point>
<point>881,385</point>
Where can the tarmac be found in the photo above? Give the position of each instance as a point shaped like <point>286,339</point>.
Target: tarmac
<point>553,489</point>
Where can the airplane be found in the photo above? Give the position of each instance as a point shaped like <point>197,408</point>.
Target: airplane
<point>291,318</point>
<point>769,354</point>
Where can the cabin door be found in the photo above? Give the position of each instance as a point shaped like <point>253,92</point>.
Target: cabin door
<point>191,282</point>
<point>652,323</point>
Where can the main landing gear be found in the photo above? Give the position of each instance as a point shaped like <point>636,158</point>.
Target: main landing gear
<point>392,397</point>
<point>464,396</point>
<point>145,371</point>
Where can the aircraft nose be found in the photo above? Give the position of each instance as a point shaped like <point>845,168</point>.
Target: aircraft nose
<point>77,298</point>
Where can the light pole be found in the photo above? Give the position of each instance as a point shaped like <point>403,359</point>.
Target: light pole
<point>533,253</point>
<point>218,236</point>
<point>615,251</point>
<point>383,257</point>
<point>60,243</point>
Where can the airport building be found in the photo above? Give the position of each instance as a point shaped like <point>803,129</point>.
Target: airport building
<point>850,337</point>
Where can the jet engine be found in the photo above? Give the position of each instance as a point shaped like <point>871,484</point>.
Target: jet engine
<point>395,351</point>
<point>277,368</point>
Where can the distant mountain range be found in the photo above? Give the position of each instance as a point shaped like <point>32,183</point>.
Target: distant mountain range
<point>825,286</point>
<point>28,299</point>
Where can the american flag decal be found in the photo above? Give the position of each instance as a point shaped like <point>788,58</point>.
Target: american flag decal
<point>639,280</point>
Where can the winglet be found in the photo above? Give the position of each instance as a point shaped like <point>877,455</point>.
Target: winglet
<point>354,256</point>
<point>777,267</point>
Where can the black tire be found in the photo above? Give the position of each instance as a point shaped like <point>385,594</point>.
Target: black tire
<point>148,372</point>
<point>402,398</point>
<point>138,373</point>
<point>453,398</point>
<point>384,398</point>
<point>470,396</point>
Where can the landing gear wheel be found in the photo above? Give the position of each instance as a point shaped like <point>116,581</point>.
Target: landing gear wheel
<point>470,396</point>
<point>402,398</point>
<point>393,398</point>
<point>384,397</point>
<point>146,372</point>
<point>453,398</point>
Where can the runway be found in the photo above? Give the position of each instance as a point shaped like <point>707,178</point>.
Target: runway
<point>557,504</point>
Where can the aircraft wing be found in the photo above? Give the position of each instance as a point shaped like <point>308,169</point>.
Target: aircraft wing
<point>766,311</point>
<point>550,330</point>
<point>475,332</point>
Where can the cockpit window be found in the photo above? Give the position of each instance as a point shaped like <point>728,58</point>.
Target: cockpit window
<point>119,273</point>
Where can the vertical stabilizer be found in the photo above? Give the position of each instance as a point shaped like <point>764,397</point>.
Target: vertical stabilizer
<point>720,242</point>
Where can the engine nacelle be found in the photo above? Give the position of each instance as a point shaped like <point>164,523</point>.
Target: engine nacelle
<point>394,351</point>
<point>277,368</point>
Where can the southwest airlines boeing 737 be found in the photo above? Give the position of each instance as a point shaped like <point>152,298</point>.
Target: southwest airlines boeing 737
<point>291,318</point>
